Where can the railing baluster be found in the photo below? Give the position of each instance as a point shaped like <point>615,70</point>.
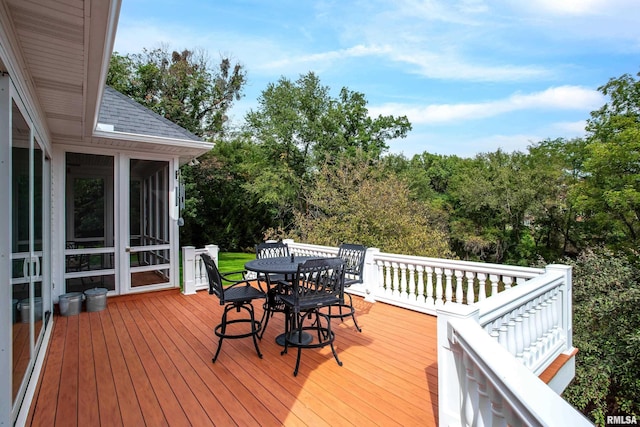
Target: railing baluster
<point>503,340</point>
<point>497,418</point>
<point>448,293</point>
<point>539,327</point>
<point>380,278</point>
<point>459,289</point>
<point>526,337</point>
<point>470,390</point>
<point>482,287</point>
<point>439,290</point>
<point>533,330</point>
<point>484,404</point>
<point>511,336</point>
<point>508,282</point>
<point>495,280</point>
<point>388,288</point>
<point>420,291</point>
<point>395,291</point>
<point>413,295</point>
<point>555,314</point>
<point>429,285</point>
<point>403,288</point>
<point>471,297</point>
<point>518,332</point>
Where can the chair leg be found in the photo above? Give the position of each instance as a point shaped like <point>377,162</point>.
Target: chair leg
<point>288,321</point>
<point>300,321</point>
<point>353,313</point>
<point>254,332</point>
<point>265,318</point>
<point>223,331</point>
<point>332,338</point>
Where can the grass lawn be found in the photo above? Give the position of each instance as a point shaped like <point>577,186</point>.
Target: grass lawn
<point>233,261</point>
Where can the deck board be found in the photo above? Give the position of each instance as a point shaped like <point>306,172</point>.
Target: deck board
<point>146,360</point>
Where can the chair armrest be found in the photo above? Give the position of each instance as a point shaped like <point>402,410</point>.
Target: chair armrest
<point>226,276</point>
<point>245,282</point>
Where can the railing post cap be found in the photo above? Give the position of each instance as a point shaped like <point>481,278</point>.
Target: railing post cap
<point>558,267</point>
<point>461,311</point>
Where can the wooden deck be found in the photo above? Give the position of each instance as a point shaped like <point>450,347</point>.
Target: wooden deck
<point>146,360</point>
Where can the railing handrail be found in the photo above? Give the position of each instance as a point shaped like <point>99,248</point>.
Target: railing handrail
<point>493,308</point>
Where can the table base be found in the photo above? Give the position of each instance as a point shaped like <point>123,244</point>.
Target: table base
<point>306,338</point>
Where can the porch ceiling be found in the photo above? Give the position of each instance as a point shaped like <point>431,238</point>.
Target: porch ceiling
<point>65,46</point>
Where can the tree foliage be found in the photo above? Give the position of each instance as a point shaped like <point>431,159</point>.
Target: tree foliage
<point>609,195</point>
<point>180,86</point>
<point>298,126</point>
<point>494,198</point>
<point>606,330</point>
<point>356,201</point>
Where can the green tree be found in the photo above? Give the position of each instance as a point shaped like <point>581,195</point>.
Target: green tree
<point>556,230</point>
<point>220,208</point>
<point>356,201</point>
<point>180,86</point>
<point>609,194</point>
<point>299,126</point>
<point>606,330</point>
<point>494,196</point>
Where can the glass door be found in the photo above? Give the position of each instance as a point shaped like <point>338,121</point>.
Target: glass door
<point>30,299</point>
<point>149,248</point>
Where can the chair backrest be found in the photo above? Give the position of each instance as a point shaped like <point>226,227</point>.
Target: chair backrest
<point>353,257</point>
<point>215,279</point>
<point>272,250</point>
<point>319,282</point>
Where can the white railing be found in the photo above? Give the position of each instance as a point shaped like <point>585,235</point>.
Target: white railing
<point>481,384</point>
<point>533,321</point>
<point>424,284</point>
<point>499,327</point>
<point>491,353</point>
<point>194,274</point>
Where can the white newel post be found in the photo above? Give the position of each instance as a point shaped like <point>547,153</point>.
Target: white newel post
<point>370,275</point>
<point>188,270</point>
<point>213,251</point>
<point>451,372</point>
<point>567,298</point>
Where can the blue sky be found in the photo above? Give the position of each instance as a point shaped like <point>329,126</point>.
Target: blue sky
<point>472,76</point>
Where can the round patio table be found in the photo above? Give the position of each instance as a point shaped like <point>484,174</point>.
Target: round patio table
<point>280,265</point>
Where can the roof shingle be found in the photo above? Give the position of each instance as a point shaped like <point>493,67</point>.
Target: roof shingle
<point>126,115</point>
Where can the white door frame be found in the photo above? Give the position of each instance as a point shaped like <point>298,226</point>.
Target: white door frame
<point>124,249</point>
<point>122,271</point>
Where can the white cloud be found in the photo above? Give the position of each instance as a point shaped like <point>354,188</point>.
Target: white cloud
<point>558,98</point>
<point>570,7</point>
<point>325,59</point>
<point>463,146</point>
<point>569,129</point>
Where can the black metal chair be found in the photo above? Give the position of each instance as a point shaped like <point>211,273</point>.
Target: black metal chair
<point>353,257</point>
<point>239,296</point>
<point>318,283</point>
<point>273,304</point>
